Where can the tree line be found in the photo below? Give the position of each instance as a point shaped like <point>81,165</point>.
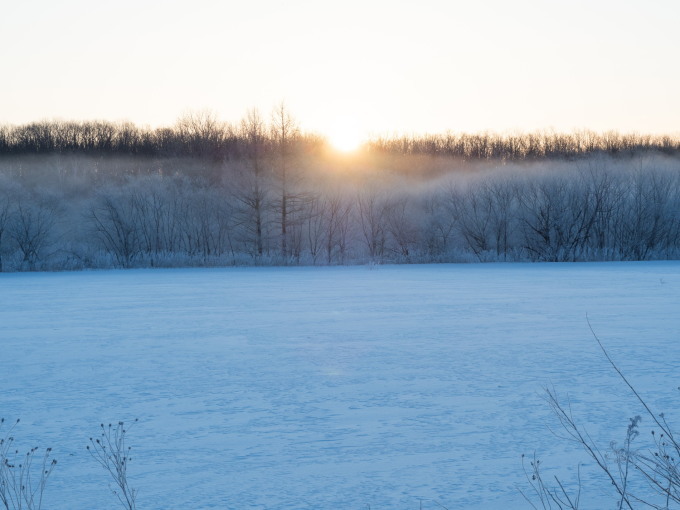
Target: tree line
<point>195,134</point>
<point>527,146</point>
<point>202,135</point>
<point>257,216</point>
<point>279,199</point>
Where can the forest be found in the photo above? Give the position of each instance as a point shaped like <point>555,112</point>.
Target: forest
<point>97,194</point>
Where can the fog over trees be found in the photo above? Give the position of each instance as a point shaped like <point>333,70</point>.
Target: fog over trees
<point>77,195</point>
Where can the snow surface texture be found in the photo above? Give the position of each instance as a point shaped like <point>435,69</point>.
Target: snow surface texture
<point>332,388</point>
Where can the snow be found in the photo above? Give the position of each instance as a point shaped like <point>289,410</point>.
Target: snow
<point>332,388</point>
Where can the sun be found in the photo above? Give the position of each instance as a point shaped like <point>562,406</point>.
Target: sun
<point>345,136</point>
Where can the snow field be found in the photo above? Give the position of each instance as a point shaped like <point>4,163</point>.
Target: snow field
<point>331,388</point>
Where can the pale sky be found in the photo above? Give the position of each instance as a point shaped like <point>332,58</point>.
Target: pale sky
<point>372,66</point>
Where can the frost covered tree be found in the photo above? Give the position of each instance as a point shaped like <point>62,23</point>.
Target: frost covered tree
<point>291,202</point>
<point>402,225</point>
<point>337,214</point>
<point>250,185</point>
<point>283,131</point>
<point>113,222</point>
<point>156,203</point>
<point>439,224</point>
<point>650,222</point>
<point>8,192</point>
<point>207,224</point>
<point>372,212</point>
<point>557,217</point>
<point>32,228</point>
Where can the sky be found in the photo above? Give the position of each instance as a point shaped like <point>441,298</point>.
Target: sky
<point>368,67</point>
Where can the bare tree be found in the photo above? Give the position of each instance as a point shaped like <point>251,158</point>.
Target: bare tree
<point>649,223</point>
<point>440,221</point>
<point>501,195</point>
<point>337,211</point>
<point>315,231</point>
<point>558,214</point>
<point>155,201</point>
<point>372,208</point>
<point>207,224</point>
<point>113,219</point>
<point>608,191</point>
<point>284,133</point>
<point>251,189</point>
<point>8,193</point>
<point>201,133</point>
<point>32,229</point>
<point>401,225</point>
<point>473,210</point>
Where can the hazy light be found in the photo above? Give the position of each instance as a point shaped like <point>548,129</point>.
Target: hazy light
<point>346,143</point>
<point>345,135</point>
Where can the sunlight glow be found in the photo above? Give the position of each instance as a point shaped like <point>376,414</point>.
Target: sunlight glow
<point>345,136</point>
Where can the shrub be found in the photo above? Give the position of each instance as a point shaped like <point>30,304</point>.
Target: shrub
<point>657,464</point>
<point>21,484</point>
<point>111,452</point>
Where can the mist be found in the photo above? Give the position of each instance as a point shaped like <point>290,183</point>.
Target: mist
<point>266,194</point>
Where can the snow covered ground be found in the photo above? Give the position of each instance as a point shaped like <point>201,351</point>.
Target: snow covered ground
<point>331,388</point>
